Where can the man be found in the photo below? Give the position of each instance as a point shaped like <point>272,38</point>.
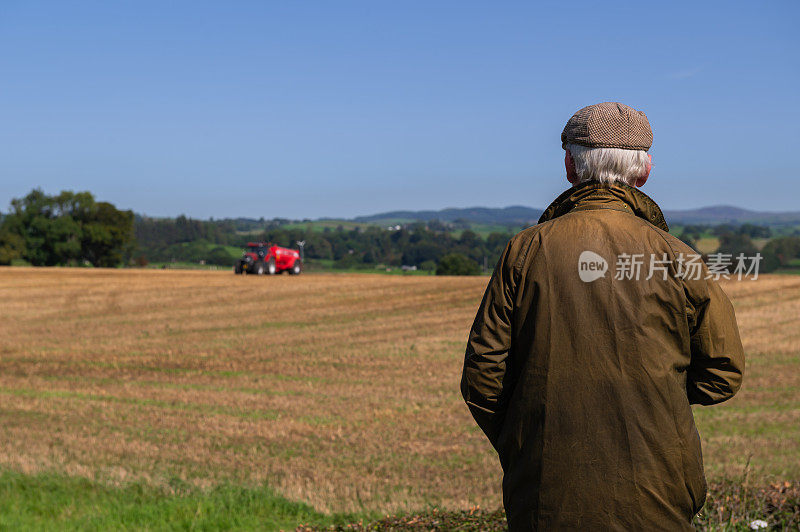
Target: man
<point>590,344</point>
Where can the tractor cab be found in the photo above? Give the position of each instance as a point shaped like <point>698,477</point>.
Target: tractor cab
<point>257,250</point>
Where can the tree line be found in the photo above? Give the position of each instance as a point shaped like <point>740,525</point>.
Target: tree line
<point>777,253</point>
<point>416,244</point>
<point>75,229</point>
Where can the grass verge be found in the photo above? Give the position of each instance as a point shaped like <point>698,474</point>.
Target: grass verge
<point>58,502</point>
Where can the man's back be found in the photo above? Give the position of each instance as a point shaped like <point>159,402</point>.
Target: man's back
<point>582,362</point>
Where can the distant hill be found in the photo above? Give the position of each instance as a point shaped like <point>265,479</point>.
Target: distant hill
<point>727,214</point>
<point>520,215</point>
<point>514,215</point>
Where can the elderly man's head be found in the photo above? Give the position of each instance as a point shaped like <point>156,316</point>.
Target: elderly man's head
<point>607,142</point>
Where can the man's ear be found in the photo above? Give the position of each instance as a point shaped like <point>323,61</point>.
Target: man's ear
<point>642,179</point>
<point>569,164</point>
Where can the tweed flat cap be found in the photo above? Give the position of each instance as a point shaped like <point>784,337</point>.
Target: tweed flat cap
<point>608,125</point>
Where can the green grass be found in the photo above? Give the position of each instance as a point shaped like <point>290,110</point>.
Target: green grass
<point>484,230</point>
<point>788,271</point>
<point>327,266</point>
<point>49,501</point>
<point>320,225</point>
<point>56,502</point>
<point>234,251</point>
<point>188,266</point>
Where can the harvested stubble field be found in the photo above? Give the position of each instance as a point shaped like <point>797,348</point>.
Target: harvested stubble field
<point>340,391</point>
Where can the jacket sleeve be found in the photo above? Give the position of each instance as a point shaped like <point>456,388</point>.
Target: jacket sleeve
<point>717,357</point>
<point>485,377</point>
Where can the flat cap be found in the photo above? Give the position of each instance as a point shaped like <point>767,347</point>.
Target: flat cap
<point>608,125</point>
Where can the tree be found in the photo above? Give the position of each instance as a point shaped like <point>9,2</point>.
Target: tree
<point>687,239</point>
<point>428,266</point>
<point>12,245</point>
<point>220,256</point>
<point>755,231</point>
<point>457,264</point>
<point>423,250</point>
<point>106,235</point>
<point>721,229</point>
<point>779,252</point>
<point>736,243</point>
<point>470,239</point>
<point>497,241</point>
<point>348,261</point>
<point>66,229</point>
<point>369,257</point>
<point>770,261</point>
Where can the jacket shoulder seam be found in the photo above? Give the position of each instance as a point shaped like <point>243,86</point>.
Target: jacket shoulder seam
<point>533,231</point>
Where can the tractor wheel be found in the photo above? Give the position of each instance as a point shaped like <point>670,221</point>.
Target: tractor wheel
<point>296,268</point>
<point>260,268</point>
<point>237,269</point>
<point>271,268</point>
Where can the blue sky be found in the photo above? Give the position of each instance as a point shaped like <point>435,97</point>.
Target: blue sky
<point>311,109</point>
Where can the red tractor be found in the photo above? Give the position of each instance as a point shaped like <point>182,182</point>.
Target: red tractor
<point>264,258</point>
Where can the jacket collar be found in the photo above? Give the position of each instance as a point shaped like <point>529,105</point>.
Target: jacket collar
<point>595,195</point>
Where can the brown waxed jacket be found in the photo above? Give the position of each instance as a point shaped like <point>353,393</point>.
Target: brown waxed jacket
<point>583,386</point>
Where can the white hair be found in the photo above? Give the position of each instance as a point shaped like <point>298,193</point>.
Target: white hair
<point>608,165</point>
